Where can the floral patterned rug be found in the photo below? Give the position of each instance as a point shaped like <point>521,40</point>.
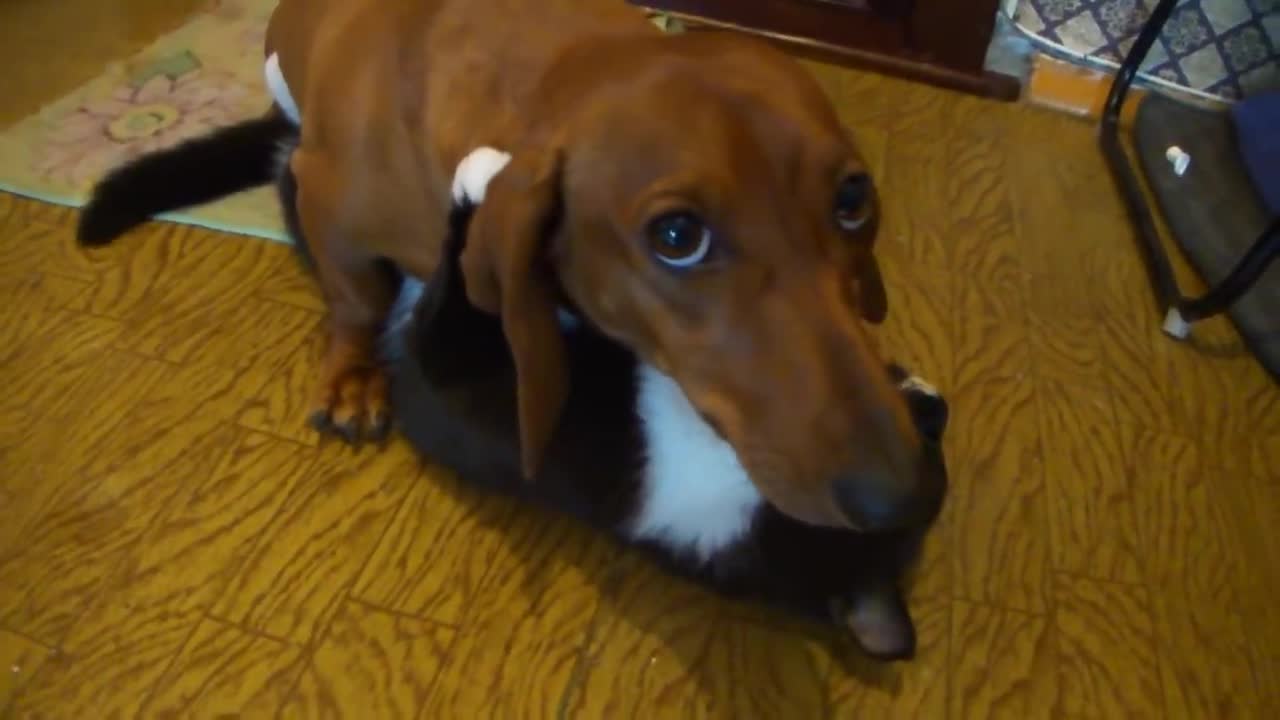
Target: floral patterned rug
<point>1224,49</point>
<point>205,74</point>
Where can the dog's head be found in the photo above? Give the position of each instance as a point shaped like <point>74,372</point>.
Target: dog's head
<point>708,211</point>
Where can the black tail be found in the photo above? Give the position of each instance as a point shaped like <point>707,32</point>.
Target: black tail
<point>201,170</point>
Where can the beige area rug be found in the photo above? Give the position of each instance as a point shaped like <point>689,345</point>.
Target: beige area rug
<point>204,75</point>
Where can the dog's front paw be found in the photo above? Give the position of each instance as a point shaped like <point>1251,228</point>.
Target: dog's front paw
<point>472,177</point>
<point>351,402</point>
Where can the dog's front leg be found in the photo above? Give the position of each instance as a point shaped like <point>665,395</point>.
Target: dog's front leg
<point>350,395</point>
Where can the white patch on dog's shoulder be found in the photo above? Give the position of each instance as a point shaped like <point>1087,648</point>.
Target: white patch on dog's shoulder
<point>696,495</point>
<point>472,177</point>
<point>918,384</point>
<point>280,89</point>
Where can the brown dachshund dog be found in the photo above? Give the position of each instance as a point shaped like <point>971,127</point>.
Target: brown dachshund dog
<point>694,197</point>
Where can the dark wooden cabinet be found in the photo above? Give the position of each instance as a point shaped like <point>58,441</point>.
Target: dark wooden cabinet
<point>938,41</point>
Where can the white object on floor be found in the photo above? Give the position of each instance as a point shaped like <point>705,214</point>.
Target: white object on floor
<point>1175,325</point>
<point>1178,158</point>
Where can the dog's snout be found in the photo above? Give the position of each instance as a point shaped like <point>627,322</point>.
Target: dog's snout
<point>875,504</point>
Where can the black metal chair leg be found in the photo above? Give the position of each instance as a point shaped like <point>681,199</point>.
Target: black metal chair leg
<point>1222,296</point>
<point>1180,310</point>
<point>1160,271</point>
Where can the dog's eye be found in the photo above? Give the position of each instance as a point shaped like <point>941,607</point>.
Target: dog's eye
<point>853,201</point>
<point>679,239</point>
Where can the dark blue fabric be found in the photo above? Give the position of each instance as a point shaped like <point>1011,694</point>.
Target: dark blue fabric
<point>1257,121</point>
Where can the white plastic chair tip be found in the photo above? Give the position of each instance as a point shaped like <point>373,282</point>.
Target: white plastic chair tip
<point>1175,325</point>
<point>1178,158</point>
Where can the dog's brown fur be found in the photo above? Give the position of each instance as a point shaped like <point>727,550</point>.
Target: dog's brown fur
<point>609,123</point>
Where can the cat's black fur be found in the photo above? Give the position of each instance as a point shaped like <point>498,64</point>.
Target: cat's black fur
<point>197,171</point>
<point>453,397</point>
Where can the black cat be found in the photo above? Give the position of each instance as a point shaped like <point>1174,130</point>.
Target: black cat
<point>632,457</point>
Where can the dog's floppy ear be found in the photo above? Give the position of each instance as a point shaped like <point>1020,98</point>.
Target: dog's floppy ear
<point>507,272</point>
<point>872,299</point>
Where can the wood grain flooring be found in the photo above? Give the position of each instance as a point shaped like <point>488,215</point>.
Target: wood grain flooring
<point>175,543</point>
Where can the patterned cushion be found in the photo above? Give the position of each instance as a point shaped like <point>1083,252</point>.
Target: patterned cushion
<point>1227,48</point>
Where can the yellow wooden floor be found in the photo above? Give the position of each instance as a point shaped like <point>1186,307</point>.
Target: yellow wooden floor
<point>173,542</point>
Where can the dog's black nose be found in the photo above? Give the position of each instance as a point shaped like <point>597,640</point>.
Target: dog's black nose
<point>874,505</point>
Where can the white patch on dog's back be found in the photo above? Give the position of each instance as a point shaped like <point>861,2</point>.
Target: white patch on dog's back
<point>471,178</point>
<point>696,495</point>
<point>280,89</point>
